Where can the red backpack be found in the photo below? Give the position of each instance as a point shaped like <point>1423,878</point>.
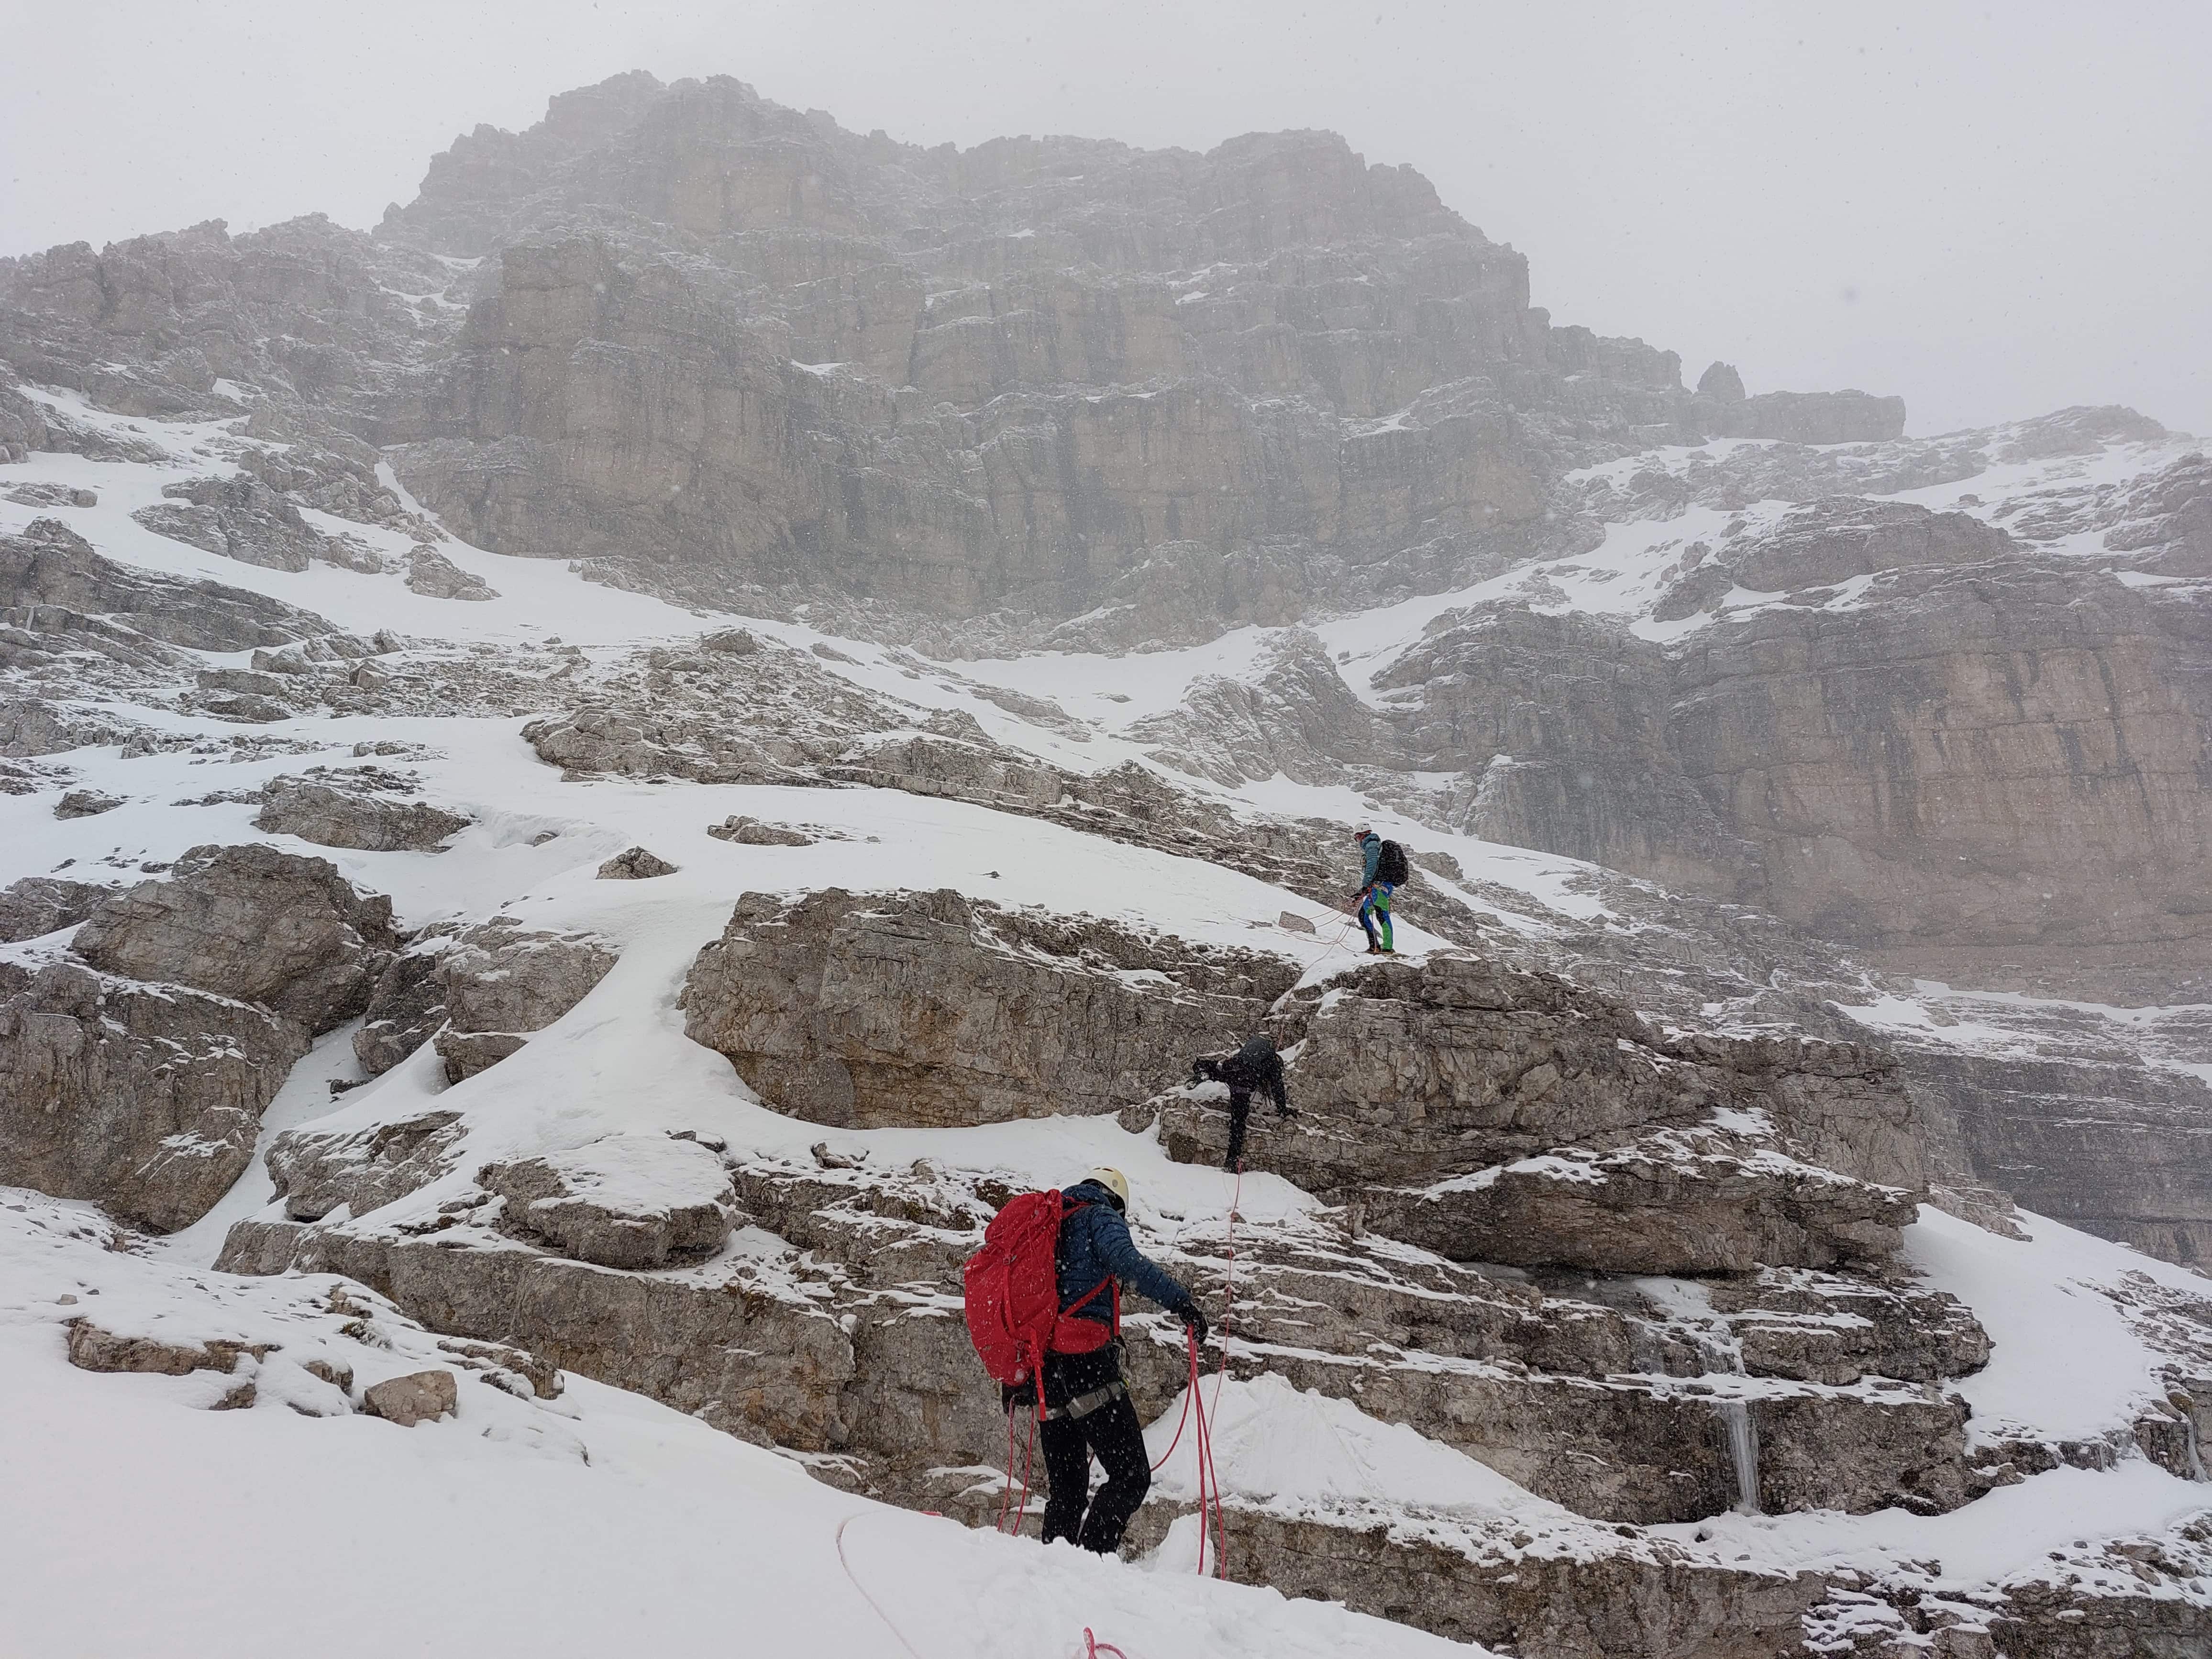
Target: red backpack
<point>1012,1288</point>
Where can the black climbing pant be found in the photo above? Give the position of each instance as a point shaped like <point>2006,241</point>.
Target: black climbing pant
<point>1240,1109</point>
<point>1112,1433</point>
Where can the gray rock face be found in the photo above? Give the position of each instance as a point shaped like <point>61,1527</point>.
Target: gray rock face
<point>38,905</point>
<point>330,815</point>
<point>1987,772</point>
<point>145,1098</point>
<point>1315,433</point>
<point>241,517</point>
<point>1812,417</point>
<point>627,1202</point>
<point>1562,722</point>
<point>250,923</point>
<point>929,1008</point>
<point>503,980</point>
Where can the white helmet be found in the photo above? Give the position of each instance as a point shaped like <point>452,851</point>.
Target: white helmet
<point>1114,1181</point>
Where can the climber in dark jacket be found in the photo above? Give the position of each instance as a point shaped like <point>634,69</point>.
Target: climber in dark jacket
<point>1255,1068</point>
<point>1087,1406</point>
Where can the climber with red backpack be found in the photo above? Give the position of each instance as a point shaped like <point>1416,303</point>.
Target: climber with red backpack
<point>1385,871</point>
<point>1044,1311</point>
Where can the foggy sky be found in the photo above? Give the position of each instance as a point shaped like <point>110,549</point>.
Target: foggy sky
<point>1993,210</point>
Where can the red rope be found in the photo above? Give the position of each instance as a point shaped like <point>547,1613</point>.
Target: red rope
<point>1092,1647</point>
<point>1028,1462</point>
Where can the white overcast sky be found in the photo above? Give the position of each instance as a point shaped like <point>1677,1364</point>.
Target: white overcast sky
<point>1994,210</point>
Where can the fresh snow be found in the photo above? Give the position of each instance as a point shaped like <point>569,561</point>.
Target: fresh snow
<point>261,1531</point>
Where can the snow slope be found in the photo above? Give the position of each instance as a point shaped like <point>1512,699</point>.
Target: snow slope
<point>263,1531</point>
<point>140,1521</point>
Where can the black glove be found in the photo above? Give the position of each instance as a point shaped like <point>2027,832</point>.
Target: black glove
<point>1018,1396</point>
<point>1194,1320</point>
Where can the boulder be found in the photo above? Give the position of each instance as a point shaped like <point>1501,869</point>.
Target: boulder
<point>752,832</point>
<point>93,1349</point>
<point>85,804</point>
<point>38,905</point>
<point>641,1201</point>
<point>251,923</point>
<point>406,1006</point>
<point>930,1008</point>
<point>503,980</point>
<point>417,1397</point>
<point>146,1099</point>
<point>636,864</point>
<point>314,1171</point>
<point>330,815</point>
<point>430,572</point>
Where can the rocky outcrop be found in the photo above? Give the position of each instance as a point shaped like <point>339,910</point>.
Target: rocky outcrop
<point>44,904</point>
<point>635,864</point>
<point>1981,769</point>
<point>930,1008</point>
<point>503,980</point>
<point>316,1169</point>
<point>239,517</point>
<point>335,810</point>
<point>1702,1200</point>
<point>432,573</point>
<point>626,1201</point>
<point>142,1085</point>
<point>146,1098</point>
<point>50,567</point>
<point>85,804</point>
<point>406,1006</point>
<point>1808,417</point>
<point>252,924</point>
<point>1289,713</point>
<point>1559,724</point>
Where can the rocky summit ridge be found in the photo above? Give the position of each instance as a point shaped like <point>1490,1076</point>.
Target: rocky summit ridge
<point>593,777</point>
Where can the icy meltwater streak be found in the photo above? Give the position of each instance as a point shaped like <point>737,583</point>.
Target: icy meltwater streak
<point>1743,1452</point>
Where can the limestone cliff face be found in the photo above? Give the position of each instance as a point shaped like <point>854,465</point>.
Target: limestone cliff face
<point>742,348</point>
<point>1976,763</point>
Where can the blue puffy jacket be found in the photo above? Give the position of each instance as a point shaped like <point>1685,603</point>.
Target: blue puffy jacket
<point>1370,847</point>
<point>1094,1244</point>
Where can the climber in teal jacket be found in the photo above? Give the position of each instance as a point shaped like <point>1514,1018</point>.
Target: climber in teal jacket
<point>1374,896</point>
